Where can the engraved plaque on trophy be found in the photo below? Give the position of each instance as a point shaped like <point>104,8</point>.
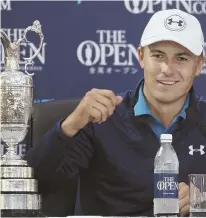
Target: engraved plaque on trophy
<point>19,190</point>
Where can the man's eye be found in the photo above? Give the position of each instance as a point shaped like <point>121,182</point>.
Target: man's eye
<point>181,59</point>
<point>157,56</point>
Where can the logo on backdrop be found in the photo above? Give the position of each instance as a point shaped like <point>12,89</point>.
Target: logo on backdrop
<point>5,5</point>
<point>26,50</point>
<point>150,7</point>
<point>109,54</point>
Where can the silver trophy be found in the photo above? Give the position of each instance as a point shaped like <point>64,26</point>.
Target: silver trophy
<point>19,194</point>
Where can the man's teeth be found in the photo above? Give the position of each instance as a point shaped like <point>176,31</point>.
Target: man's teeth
<point>167,82</point>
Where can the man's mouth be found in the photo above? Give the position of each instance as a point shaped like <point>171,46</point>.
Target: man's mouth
<point>166,82</point>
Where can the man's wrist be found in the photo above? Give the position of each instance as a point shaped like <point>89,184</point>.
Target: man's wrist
<point>68,126</point>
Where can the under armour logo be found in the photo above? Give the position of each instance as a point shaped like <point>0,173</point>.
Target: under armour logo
<point>175,23</point>
<point>170,21</point>
<point>192,150</point>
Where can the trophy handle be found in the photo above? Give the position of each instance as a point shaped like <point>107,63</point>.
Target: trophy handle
<point>36,27</point>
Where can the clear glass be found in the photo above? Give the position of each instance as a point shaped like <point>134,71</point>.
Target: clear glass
<point>197,183</point>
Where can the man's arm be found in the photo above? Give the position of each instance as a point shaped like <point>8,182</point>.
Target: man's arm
<point>68,146</point>
<point>58,157</point>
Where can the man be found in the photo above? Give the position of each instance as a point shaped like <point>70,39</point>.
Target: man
<point>111,140</point>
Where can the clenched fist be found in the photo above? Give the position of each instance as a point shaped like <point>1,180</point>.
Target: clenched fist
<point>96,106</point>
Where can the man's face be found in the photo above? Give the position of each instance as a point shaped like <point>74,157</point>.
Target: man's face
<point>169,70</point>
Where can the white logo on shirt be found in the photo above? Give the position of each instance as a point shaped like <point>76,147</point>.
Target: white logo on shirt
<point>192,150</point>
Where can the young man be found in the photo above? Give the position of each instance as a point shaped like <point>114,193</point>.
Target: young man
<point>112,140</point>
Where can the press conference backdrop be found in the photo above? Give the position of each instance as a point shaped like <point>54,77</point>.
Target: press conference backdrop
<point>88,44</point>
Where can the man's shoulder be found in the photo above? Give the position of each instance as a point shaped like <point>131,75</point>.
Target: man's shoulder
<point>199,115</point>
<point>128,95</point>
<point>129,99</point>
<point>202,104</point>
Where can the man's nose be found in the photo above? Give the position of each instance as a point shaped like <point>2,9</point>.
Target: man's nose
<point>168,68</point>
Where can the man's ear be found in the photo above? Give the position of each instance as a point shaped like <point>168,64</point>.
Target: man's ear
<point>201,62</point>
<point>140,53</point>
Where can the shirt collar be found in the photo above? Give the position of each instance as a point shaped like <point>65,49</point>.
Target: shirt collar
<point>142,108</point>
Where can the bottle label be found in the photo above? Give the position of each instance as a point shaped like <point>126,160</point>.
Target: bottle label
<point>165,185</point>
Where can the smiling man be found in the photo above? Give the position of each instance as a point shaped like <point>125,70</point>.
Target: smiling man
<point>111,140</point>
<point>169,71</point>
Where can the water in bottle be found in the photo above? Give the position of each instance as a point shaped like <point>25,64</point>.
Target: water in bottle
<point>166,170</point>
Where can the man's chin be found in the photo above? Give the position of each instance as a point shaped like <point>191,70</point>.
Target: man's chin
<point>166,99</point>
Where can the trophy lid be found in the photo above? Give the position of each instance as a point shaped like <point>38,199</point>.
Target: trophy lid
<point>12,51</point>
<point>12,76</point>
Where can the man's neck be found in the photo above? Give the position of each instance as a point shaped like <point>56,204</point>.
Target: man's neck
<point>165,112</point>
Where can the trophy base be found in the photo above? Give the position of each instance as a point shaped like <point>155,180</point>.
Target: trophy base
<point>22,213</point>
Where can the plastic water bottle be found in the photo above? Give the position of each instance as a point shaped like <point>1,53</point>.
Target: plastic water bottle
<point>166,170</point>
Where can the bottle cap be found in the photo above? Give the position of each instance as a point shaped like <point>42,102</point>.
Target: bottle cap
<point>166,137</point>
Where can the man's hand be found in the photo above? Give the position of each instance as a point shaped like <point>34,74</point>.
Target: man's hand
<point>183,199</point>
<point>96,106</point>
